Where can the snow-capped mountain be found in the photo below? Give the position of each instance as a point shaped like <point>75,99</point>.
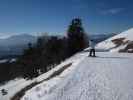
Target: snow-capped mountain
<point>122,42</point>
<point>15,44</point>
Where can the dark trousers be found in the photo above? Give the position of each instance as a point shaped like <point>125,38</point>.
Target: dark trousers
<point>92,52</point>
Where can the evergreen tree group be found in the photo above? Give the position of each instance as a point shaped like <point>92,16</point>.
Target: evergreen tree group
<point>46,53</point>
<point>76,37</point>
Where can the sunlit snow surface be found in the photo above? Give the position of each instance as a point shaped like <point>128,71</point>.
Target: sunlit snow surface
<point>108,45</point>
<point>106,77</point>
<point>16,85</point>
<point>13,87</point>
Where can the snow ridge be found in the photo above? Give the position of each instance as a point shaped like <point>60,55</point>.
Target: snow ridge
<point>118,42</point>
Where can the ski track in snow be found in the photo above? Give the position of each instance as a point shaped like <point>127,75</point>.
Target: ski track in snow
<point>106,77</point>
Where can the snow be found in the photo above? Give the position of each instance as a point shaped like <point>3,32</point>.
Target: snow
<point>106,77</point>
<point>128,34</point>
<point>3,60</point>
<point>13,87</point>
<point>118,48</point>
<point>13,60</point>
<point>109,45</point>
<point>47,86</point>
<point>16,85</point>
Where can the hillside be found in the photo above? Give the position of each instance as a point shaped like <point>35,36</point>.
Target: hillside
<point>122,42</point>
<point>106,77</point>
<point>18,84</point>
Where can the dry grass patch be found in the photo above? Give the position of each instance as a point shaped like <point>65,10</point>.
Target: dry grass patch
<point>118,41</point>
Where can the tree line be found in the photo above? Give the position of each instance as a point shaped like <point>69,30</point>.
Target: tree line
<point>48,52</point>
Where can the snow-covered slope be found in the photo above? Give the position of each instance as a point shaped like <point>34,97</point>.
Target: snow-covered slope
<point>14,86</point>
<point>106,77</point>
<point>122,42</point>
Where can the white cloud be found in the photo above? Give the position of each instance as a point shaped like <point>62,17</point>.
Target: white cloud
<point>112,11</point>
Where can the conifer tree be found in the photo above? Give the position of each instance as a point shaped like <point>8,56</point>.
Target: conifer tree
<point>76,37</point>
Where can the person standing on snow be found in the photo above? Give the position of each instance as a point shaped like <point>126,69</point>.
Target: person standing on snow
<point>92,48</point>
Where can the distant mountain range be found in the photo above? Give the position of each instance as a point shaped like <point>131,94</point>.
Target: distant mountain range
<point>100,37</point>
<point>14,45</point>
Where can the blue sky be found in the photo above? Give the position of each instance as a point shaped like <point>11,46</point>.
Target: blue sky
<point>54,16</point>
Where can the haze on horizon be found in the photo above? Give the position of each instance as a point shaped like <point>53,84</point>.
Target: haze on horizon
<point>54,16</point>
